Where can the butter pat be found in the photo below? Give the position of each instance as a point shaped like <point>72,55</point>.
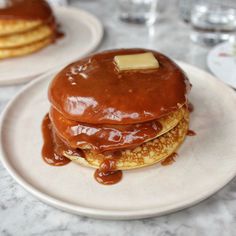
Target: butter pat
<point>136,61</point>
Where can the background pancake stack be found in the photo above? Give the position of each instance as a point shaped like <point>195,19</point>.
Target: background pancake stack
<point>116,120</point>
<point>26,26</point>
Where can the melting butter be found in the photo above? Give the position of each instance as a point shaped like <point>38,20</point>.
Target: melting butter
<point>139,61</point>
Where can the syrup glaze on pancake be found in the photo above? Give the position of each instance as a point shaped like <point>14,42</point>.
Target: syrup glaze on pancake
<point>27,10</point>
<point>109,164</point>
<point>146,154</point>
<point>92,90</point>
<point>111,137</point>
<point>103,138</point>
<point>53,154</point>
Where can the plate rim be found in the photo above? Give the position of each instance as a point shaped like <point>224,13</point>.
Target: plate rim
<point>97,26</point>
<point>97,212</point>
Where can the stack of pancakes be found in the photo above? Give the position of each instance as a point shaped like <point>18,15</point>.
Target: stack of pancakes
<point>26,26</point>
<point>136,117</point>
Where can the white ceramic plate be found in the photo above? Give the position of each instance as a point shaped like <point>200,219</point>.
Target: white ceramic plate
<point>83,33</point>
<point>221,61</point>
<point>205,164</point>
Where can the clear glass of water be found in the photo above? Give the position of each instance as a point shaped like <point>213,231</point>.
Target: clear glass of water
<point>138,11</point>
<point>213,21</point>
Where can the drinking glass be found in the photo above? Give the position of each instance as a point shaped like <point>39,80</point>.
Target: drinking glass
<point>213,21</point>
<point>138,11</point>
<point>185,9</point>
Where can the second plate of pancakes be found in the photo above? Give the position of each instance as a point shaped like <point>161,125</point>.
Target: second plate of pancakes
<point>205,162</point>
<point>82,34</point>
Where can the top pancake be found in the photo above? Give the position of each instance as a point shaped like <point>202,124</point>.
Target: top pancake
<point>92,90</point>
<point>23,15</point>
<point>27,10</point>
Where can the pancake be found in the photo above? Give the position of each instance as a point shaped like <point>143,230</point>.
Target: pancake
<point>26,26</point>
<point>9,27</point>
<point>29,37</point>
<point>96,92</point>
<point>27,49</point>
<point>116,110</point>
<point>21,16</point>
<point>31,10</point>
<point>146,154</point>
<point>86,136</point>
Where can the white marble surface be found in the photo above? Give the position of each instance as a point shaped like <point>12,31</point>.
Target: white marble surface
<point>22,214</point>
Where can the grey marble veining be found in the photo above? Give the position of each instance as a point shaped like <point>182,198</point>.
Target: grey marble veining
<point>22,214</point>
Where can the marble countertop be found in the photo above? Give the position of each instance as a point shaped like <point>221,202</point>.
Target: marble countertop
<point>22,214</point>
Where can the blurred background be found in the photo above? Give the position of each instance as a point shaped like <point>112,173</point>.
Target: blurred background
<point>185,30</point>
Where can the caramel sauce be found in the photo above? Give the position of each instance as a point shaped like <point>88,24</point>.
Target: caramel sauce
<point>103,137</point>
<point>53,145</point>
<point>191,133</point>
<point>59,34</point>
<point>107,173</point>
<point>96,105</point>
<point>170,159</point>
<point>93,91</point>
<point>27,9</point>
<point>190,107</point>
<point>113,153</point>
<point>53,148</point>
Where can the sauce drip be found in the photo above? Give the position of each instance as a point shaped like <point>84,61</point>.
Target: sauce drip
<point>107,173</point>
<point>191,133</point>
<point>59,34</point>
<point>170,159</point>
<point>190,107</point>
<point>53,146</point>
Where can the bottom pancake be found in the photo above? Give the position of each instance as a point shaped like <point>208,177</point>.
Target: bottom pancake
<point>146,154</point>
<point>24,50</point>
